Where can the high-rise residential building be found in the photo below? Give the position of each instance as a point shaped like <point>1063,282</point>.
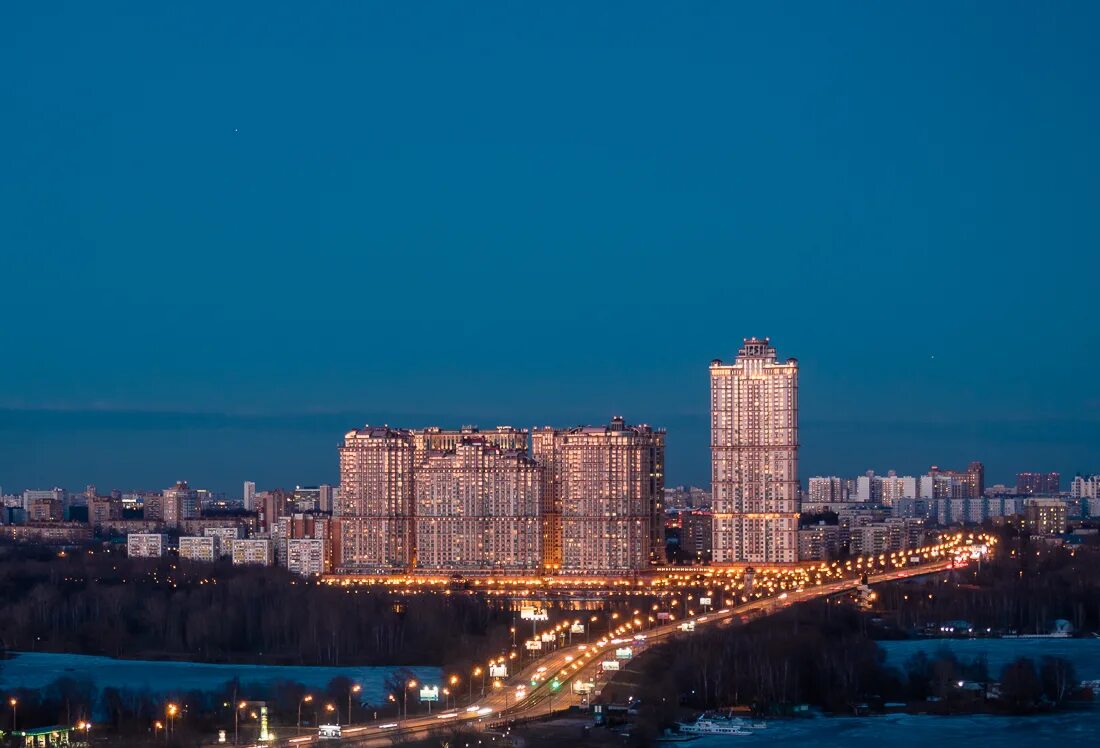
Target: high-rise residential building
<point>248,497</point>
<point>478,508</point>
<point>103,509</point>
<point>205,548</point>
<point>754,456</point>
<point>1038,484</point>
<point>46,510</point>
<point>145,545</point>
<point>31,494</point>
<point>826,490</point>
<point>179,502</point>
<point>1085,487</point>
<point>820,542</point>
<point>376,500</point>
<point>225,536</point>
<point>1045,516</point>
<point>324,498</point>
<point>305,556</point>
<point>603,509</point>
<point>252,551</point>
<point>696,534</point>
<point>964,484</point>
<point>897,487</point>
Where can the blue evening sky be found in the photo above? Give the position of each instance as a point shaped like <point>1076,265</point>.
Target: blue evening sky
<point>231,231</point>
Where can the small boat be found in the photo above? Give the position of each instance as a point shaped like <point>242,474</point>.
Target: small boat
<point>704,726</point>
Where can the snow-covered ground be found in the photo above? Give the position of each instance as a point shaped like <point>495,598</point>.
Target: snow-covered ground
<point>36,669</point>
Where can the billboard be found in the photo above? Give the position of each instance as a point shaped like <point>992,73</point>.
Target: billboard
<point>610,664</point>
<point>429,693</point>
<point>498,671</point>
<point>704,601</point>
<point>534,644</point>
<point>624,653</point>
<point>533,614</point>
<point>662,615</point>
<point>687,626</point>
<point>576,628</point>
<point>547,637</point>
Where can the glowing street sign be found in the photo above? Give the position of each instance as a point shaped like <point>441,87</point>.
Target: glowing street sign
<point>534,644</point>
<point>576,628</point>
<point>704,601</point>
<point>610,664</point>
<point>624,653</point>
<point>546,637</point>
<point>429,693</point>
<point>498,671</point>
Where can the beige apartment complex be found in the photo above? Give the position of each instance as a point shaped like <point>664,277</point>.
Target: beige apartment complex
<point>754,456</point>
<point>583,500</point>
<point>605,498</point>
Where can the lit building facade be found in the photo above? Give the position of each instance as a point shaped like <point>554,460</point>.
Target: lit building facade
<point>376,500</point>
<point>754,456</point>
<point>305,556</point>
<point>205,548</point>
<point>605,501</point>
<point>477,508</point>
<point>252,551</point>
<point>178,503</point>
<point>1045,516</point>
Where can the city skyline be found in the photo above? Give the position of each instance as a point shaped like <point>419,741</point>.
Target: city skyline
<point>214,268</point>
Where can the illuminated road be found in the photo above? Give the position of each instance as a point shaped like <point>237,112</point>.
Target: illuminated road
<point>517,698</point>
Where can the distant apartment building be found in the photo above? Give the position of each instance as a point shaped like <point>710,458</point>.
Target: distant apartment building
<point>225,536</point>
<point>252,552</point>
<point>248,496</point>
<point>607,488</point>
<point>49,533</point>
<point>819,542</point>
<point>897,487</point>
<point>826,490</point>
<point>178,503</point>
<point>57,494</point>
<point>46,510</point>
<point>102,510</point>
<point>1038,484</point>
<point>696,534</point>
<point>955,484</point>
<point>754,456</point>
<point>146,544</point>
<point>478,508</point>
<point>1045,516</point>
<point>196,548</point>
<point>869,488</point>
<point>306,556</point>
<point>1086,489</point>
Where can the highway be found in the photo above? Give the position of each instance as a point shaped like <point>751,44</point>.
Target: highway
<point>546,684</point>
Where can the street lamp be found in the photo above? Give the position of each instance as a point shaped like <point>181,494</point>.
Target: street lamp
<point>410,685</point>
<point>13,702</point>
<point>237,721</point>
<point>304,700</point>
<point>330,708</point>
<point>157,727</point>
<point>172,711</point>
<point>477,672</point>
<point>356,688</point>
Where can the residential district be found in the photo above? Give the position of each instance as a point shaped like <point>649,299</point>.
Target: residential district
<point>585,501</point>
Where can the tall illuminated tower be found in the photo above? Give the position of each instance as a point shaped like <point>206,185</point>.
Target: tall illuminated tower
<point>754,456</point>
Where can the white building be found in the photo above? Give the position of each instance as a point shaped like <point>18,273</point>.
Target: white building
<point>31,495</point>
<point>896,487</point>
<point>248,497</point>
<point>145,545</point>
<point>305,556</point>
<point>257,551</point>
